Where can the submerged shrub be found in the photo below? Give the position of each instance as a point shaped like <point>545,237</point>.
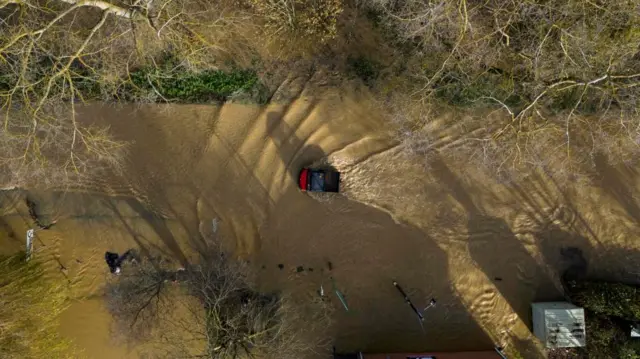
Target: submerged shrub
<point>30,306</point>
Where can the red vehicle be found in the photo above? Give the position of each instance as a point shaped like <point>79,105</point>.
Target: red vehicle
<point>317,180</point>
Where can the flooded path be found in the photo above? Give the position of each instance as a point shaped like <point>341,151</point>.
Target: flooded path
<point>483,249</point>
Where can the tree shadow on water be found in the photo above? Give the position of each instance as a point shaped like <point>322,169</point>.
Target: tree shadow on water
<point>564,252</point>
<point>498,252</point>
<point>294,152</point>
<point>618,183</point>
<point>379,319</point>
<point>159,225</point>
<point>156,223</point>
<point>505,260</point>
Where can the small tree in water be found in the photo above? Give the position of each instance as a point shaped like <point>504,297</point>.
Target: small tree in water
<point>209,310</point>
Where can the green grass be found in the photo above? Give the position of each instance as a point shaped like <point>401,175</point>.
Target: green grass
<point>192,87</point>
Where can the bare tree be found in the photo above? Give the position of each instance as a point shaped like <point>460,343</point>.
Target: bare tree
<point>55,55</point>
<point>210,310</point>
<point>41,140</point>
<point>564,73</point>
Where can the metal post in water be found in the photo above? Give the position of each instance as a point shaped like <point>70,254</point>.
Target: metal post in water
<point>29,250</point>
<point>408,301</point>
<point>432,303</point>
<point>500,352</point>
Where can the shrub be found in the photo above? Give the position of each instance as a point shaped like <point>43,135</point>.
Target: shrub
<point>609,309</point>
<point>364,68</point>
<point>607,299</point>
<point>184,86</point>
<point>608,338</point>
<point>224,315</point>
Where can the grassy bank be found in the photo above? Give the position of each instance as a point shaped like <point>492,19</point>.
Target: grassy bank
<point>169,81</point>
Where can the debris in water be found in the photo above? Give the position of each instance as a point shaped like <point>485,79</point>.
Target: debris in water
<point>300,269</point>
<point>340,295</point>
<point>281,266</point>
<point>330,265</point>
<point>36,217</point>
<point>214,225</point>
<point>115,261</point>
<point>432,303</point>
<point>498,279</point>
<point>310,269</point>
<point>32,209</point>
<point>264,266</point>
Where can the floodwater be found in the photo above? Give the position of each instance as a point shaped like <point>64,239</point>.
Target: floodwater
<point>483,249</point>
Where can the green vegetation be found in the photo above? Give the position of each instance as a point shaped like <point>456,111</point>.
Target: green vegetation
<point>184,86</point>
<point>610,309</point>
<point>30,305</point>
<point>364,68</point>
<point>609,299</point>
<point>609,338</point>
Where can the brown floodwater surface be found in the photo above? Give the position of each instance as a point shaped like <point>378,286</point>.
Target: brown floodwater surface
<point>483,249</point>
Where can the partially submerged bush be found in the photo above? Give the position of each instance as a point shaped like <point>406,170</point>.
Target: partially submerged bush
<point>208,309</point>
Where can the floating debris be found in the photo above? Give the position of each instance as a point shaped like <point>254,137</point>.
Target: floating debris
<point>300,269</point>
<point>321,292</point>
<point>214,225</point>
<point>343,300</point>
<point>281,266</point>
<point>432,303</point>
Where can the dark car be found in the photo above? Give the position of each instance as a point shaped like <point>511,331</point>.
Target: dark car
<point>318,180</point>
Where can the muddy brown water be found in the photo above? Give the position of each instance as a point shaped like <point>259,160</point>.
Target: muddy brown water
<point>484,250</point>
